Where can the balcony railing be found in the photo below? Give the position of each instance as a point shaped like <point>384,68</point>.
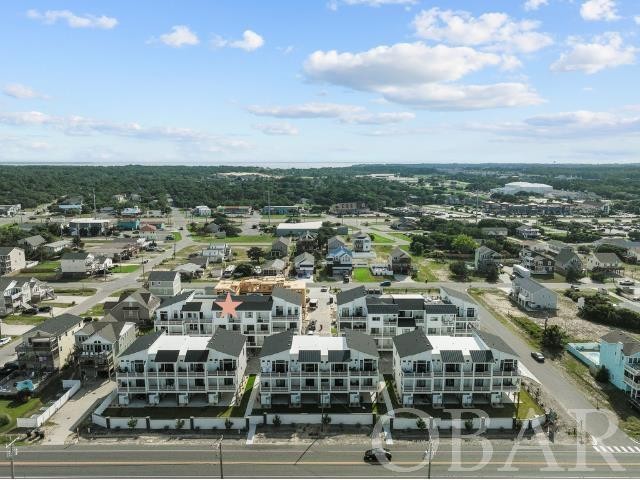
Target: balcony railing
<point>169,322</point>
<point>128,389</point>
<point>285,318</point>
<point>352,319</point>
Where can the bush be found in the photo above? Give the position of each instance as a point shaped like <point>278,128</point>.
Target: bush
<point>179,423</point>
<point>276,421</point>
<point>420,423</point>
<point>132,423</point>
<point>228,424</point>
<point>468,424</point>
<point>4,420</point>
<point>601,374</point>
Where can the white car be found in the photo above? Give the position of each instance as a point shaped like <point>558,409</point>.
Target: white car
<point>4,341</point>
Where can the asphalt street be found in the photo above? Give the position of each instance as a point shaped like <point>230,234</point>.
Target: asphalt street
<point>318,460</point>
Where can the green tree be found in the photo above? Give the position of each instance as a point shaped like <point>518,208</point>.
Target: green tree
<point>553,338</point>
<point>463,244</point>
<point>492,274</point>
<point>572,274</point>
<point>255,254</point>
<point>459,270</point>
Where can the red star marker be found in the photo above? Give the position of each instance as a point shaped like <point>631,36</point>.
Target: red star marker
<point>229,306</point>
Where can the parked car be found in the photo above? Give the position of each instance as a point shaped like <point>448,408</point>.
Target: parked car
<point>538,357</point>
<point>44,308</point>
<point>169,237</point>
<point>324,288</point>
<point>575,287</point>
<point>346,279</point>
<point>4,341</point>
<point>9,367</point>
<point>30,311</point>
<point>377,455</point>
<point>386,283</point>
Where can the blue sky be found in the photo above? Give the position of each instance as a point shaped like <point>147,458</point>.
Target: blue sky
<point>327,82</point>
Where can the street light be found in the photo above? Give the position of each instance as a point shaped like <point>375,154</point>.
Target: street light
<point>12,452</point>
<point>220,454</point>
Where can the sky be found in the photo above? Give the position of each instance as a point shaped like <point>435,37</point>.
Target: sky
<point>319,82</point>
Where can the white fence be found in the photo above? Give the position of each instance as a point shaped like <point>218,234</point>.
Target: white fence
<point>476,423</point>
<point>313,418</point>
<point>72,386</point>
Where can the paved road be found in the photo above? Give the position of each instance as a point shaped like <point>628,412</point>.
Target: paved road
<point>310,460</point>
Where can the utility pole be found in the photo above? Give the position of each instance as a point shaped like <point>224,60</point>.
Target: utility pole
<point>269,205</point>
<point>12,452</point>
<point>220,455</point>
<point>429,454</point>
<point>94,204</point>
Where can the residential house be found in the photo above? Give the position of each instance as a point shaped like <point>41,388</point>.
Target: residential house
<point>532,295</point>
<point>306,242</point>
<point>361,242</point>
<point>218,252</point>
<point>49,346</point>
<point>556,246</point>
<point>567,259</point>
<point>183,369</point>
<point>385,316</point>
<point>257,316</point>
<point>281,210</point>
<point>235,210</point>
<point>128,223</point>
<point>274,267</point>
<point>620,355</point>
<point>280,248</point>
<point>202,211</point>
<point>10,210</point>
<point>77,264</point>
<point>527,232</point>
<point>189,271</point>
<point>13,295</point>
<point>131,211</point>
<point>88,227</point>
<point>335,242</point>
<point>399,261</point>
<point>441,371</point>
<point>71,205</point>
<point>138,307</point>
<point>340,261</point>
<point>318,370</point>
<point>607,262</point>
<point>304,265</point>
<point>98,345</point>
<point>494,231</point>
<point>148,231</point>
<point>55,248</point>
<point>12,259</point>
<point>164,283</point>
<point>32,244</point>
<point>214,229</point>
<point>486,257</point>
<point>537,263</point>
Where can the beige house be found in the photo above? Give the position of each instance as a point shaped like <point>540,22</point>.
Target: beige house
<point>12,259</point>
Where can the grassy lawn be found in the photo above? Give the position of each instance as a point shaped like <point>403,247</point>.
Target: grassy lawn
<point>83,292</point>
<point>527,403</point>
<point>379,239</point>
<point>95,311</point>
<point>261,238</point>
<point>125,268</point>
<point>124,290</point>
<point>177,236</point>
<point>23,320</point>
<point>400,236</point>
<point>425,274</point>
<point>11,411</point>
<point>239,410</point>
<point>391,389</point>
<point>363,274</point>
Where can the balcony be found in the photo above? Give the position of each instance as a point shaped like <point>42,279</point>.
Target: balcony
<point>128,389</point>
<point>632,368</point>
<point>481,388</point>
<point>632,382</point>
<point>272,388</point>
<point>454,388</point>
<point>162,388</point>
<point>414,389</point>
<point>417,374</point>
<point>285,318</point>
<point>164,323</point>
<point>352,319</point>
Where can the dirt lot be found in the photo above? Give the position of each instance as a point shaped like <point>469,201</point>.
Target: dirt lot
<point>566,316</point>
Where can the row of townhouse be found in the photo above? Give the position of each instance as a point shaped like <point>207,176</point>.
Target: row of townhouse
<point>257,316</point>
<point>98,345</point>
<point>385,316</point>
<point>302,369</point>
<point>18,292</point>
<point>159,368</point>
<point>440,370</point>
<point>537,263</point>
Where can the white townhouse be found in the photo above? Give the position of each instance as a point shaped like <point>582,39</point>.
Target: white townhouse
<point>18,292</point>
<point>385,316</point>
<point>257,316</point>
<point>361,242</point>
<point>310,369</point>
<point>218,252</point>
<point>532,295</point>
<point>12,259</point>
<point>164,369</point>
<point>454,371</point>
<point>202,211</point>
<point>98,345</point>
<point>527,232</point>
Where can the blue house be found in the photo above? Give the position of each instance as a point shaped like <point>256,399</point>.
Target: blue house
<point>129,224</point>
<point>620,354</point>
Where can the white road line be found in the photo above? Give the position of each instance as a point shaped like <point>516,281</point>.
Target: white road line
<point>617,449</point>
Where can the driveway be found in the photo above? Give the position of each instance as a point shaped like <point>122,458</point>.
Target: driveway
<point>324,314</point>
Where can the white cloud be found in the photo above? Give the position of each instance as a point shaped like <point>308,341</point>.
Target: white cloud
<point>535,4</point>
<point>250,41</point>
<point>50,17</point>
<point>333,4</point>
<point>17,90</point>
<point>345,113</point>
<point>494,30</point>
<point>604,51</point>
<point>419,75</point>
<point>574,124</point>
<point>637,19</point>
<point>83,126</point>
<point>604,10</point>
<point>179,36</point>
<point>277,128</point>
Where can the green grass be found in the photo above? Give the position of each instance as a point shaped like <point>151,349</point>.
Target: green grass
<point>177,236</point>
<point>13,411</point>
<point>81,292</point>
<point>400,236</point>
<point>95,311</point>
<point>363,274</point>
<point>379,239</point>
<point>241,408</point>
<point>527,403</point>
<point>125,268</point>
<point>250,239</point>
<point>425,274</point>
<point>49,266</point>
<point>23,320</point>
<point>58,304</point>
<point>391,390</point>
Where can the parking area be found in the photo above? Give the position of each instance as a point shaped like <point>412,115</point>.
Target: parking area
<point>323,314</point>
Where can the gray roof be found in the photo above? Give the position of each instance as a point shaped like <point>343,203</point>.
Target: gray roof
<point>481,356</point>
<point>529,284</point>
<point>451,356</point>
<point>34,241</point>
<point>162,276</point>
<point>440,308</point>
<point>304,257</point>
<point>566,255</point>
<point>350,295</point>
<point>181,297</point>
<point>311,356</point>
<point>339,356</point>
<point>57,325</point>
<point>248,303</point>
<point>398,252</point>
<point>377,305</point>
<point>6,250</point>
<point>74,256</point>
<point>361,342</point>
<point>142,343</point>
<point>277,343</point>
<point>227,341</point>
<point>453,292</point>
<point>630,345</point>
<point>274,264</point>
<point>409,303</point>
<point>495,342</point>
<point>288,295</point>
<point>108,330</point>
<point>483,249</point>
<point>607,257</point>
<point>411,343</point>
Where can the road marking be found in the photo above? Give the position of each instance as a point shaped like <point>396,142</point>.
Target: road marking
<point>251,433</point>
<point>616,449</point>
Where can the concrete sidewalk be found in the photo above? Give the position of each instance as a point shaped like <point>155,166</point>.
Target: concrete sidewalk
<point>74,410</point>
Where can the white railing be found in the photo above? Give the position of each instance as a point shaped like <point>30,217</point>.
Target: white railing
<point>36,420</point>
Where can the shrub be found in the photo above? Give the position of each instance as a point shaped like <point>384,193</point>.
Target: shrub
<point>132,423</point>
<point>228,424</point>
<point>420,423</point>
<point>468,424</point>
<point>326,419</point>
<point>276,421</point>
<point>179,423</point>
<point>4,420</point>
<point>601,374</point>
